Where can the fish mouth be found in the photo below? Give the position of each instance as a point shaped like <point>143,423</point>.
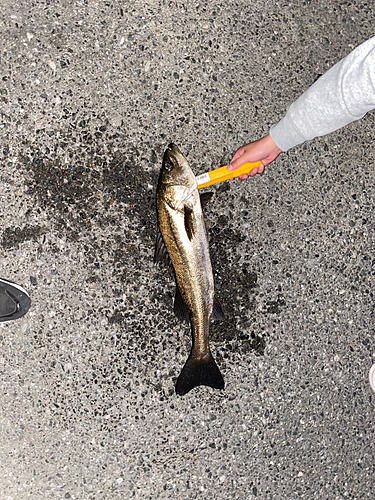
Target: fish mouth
<point>168,153</point>
<point>173,148</point>
<point>172,151</point>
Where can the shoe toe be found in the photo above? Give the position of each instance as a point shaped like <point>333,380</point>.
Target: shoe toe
<point>14,301</point>
<point>372,377</point>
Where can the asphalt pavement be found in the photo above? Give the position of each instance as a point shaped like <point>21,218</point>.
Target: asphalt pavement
<point>91,93</point>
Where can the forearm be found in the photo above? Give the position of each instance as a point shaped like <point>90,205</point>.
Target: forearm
<point>342,95</point>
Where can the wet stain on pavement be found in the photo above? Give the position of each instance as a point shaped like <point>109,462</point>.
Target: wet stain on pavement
<point>13,237</point>
<point>235,287</point>
<point>79,196</point>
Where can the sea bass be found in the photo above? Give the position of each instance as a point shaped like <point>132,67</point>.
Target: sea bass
<point>182,242</point>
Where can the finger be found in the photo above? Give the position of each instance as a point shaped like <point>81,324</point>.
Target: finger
<point>252,173</point>
<point>233,165</point>
<point>240,151</point>
<point>235,161</point>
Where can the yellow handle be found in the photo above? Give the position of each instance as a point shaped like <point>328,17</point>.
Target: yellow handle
<point>222,174</point>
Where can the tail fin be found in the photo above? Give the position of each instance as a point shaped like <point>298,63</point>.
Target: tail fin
<point>199,372</point>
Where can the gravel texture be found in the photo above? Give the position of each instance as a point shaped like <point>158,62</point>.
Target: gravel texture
<point>91,92</point>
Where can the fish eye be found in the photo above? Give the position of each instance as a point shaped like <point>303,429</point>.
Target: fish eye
<point>168,166</point>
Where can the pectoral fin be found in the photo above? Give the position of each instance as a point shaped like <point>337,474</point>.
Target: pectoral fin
<point>190,223</point>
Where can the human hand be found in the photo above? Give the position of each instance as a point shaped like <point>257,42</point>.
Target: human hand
<point>264,150</point>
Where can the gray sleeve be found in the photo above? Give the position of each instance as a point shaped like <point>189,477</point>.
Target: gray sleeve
<point>342,95</point>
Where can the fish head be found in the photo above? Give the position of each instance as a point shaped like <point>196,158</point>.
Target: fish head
<point>176,181</point>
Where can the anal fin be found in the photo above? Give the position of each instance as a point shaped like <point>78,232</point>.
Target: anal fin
<point>217,310</point>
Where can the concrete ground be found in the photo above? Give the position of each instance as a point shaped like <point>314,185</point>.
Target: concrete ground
<point>91,93</point>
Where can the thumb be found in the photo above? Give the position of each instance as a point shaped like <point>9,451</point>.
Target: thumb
<point>236,161</point>
<point>234,164</point>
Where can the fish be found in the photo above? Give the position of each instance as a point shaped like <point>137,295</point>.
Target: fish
<point>182,244</point>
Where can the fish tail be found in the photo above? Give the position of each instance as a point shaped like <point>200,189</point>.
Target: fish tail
<point>199,372</point>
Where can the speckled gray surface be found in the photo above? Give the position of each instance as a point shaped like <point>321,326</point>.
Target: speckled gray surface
<point>91,93</point>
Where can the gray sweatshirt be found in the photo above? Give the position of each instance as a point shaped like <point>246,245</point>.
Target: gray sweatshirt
<point>342,95</point>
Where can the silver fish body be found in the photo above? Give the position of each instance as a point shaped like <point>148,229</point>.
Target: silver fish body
<point>184,241</point>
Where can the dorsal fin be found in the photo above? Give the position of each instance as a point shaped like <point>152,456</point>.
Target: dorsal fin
<point>205,198</point>
<point>161,252</point>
